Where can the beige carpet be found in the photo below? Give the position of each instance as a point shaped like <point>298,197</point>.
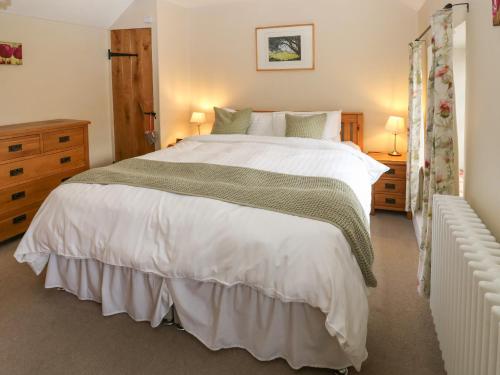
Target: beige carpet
<point>52,332</point>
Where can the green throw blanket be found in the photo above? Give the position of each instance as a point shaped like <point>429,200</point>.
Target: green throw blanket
<point>317,198</point>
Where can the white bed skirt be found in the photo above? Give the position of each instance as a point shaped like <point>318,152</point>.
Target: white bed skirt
<point>219,316</point>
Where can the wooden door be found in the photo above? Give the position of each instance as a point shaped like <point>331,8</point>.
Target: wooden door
<point>132,91</point>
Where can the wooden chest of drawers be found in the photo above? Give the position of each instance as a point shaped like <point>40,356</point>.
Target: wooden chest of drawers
<point>34,159</point>
<point>389,193</point>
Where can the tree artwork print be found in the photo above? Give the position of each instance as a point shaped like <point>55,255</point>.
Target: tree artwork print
<point>285,48</point>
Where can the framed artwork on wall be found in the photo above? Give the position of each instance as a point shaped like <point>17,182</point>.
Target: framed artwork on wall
<point>11,53</point>
<point>288,47</point>
<point>496,12</point>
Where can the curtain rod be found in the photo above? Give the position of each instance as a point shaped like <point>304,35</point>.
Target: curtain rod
<point>447,6</point>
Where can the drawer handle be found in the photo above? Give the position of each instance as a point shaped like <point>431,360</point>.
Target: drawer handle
<point>19,219</point>
<point>390,201</point>
<point>16,148</point>
<point>64,139</point>
<point>18,195</point>
<point>390,186</point>
<point>65,159</point>
<point>391,171</point>
<point>65,179</point>
<point>16,172</point>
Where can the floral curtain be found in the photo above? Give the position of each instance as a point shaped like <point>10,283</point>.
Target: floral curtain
<point>415,124</point>
<point>441,167</point>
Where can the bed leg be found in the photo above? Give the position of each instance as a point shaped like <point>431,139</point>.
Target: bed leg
<point>177,322</point>
<point>344,371</point>
<point>172,320</point>
<point>168,321</point>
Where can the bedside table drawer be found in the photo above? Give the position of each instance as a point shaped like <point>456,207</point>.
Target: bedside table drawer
<point>395,171</point>
<point>390,186</point>
<point>394,202</point>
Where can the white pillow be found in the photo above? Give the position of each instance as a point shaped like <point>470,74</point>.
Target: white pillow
<point>332,127</point>
<point>261,124</point>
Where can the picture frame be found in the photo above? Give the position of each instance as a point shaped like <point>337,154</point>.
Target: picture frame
<point>496,12</point>
<point>285,47</point>
<point>11,53</point>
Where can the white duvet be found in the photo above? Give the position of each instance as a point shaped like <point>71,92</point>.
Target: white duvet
<point>174,236</point>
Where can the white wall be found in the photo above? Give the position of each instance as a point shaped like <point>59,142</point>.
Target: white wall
<point>173,71</point>
<point>65,75</point>
<point>482,156</point>
<point>362,59</point>
<point>133,16</point>
<point>460,77</point>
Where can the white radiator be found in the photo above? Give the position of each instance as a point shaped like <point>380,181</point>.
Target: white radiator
<point>465,289</point>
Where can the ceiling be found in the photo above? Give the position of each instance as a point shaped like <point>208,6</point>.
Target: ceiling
<point>414,4</point>
<point>103,13</point>
<point>98,13</point>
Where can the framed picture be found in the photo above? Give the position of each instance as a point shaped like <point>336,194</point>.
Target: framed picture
<point>289,47</point>
<point>11,53</point>
<point>496,12</point>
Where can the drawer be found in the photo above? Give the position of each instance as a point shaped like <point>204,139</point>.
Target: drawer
<point>17,222</point>
<point>396,171</point>
<point>62,139</point>
<point>390,186</point>
<point>22,195</point>
<point>21,171</point>
<point>14,148</point>
<point>392,202</point>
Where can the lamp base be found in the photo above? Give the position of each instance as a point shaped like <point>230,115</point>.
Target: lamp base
<point>394,153</point>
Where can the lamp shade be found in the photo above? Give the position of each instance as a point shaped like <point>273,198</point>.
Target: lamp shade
<point>395,125</point>
<point>198,118</point>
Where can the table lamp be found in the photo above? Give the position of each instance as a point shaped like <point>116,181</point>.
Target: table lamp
<point>198,118</point>
<point>395,125</point>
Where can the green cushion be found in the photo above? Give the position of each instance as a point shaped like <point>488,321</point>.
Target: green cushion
<point>227,122</point>
<point>305,126</point>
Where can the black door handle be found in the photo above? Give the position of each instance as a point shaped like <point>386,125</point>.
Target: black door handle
<point>65,159</point>
<point>64,139</point>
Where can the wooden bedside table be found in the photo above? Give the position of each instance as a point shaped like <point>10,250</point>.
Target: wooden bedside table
<point>389,193</point>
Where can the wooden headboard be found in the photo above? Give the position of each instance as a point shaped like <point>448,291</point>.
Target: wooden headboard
<point>352,127</point>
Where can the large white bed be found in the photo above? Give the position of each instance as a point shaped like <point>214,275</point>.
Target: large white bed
<point>277,285</point>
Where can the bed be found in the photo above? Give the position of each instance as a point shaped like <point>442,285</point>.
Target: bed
<point>277,285</point>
